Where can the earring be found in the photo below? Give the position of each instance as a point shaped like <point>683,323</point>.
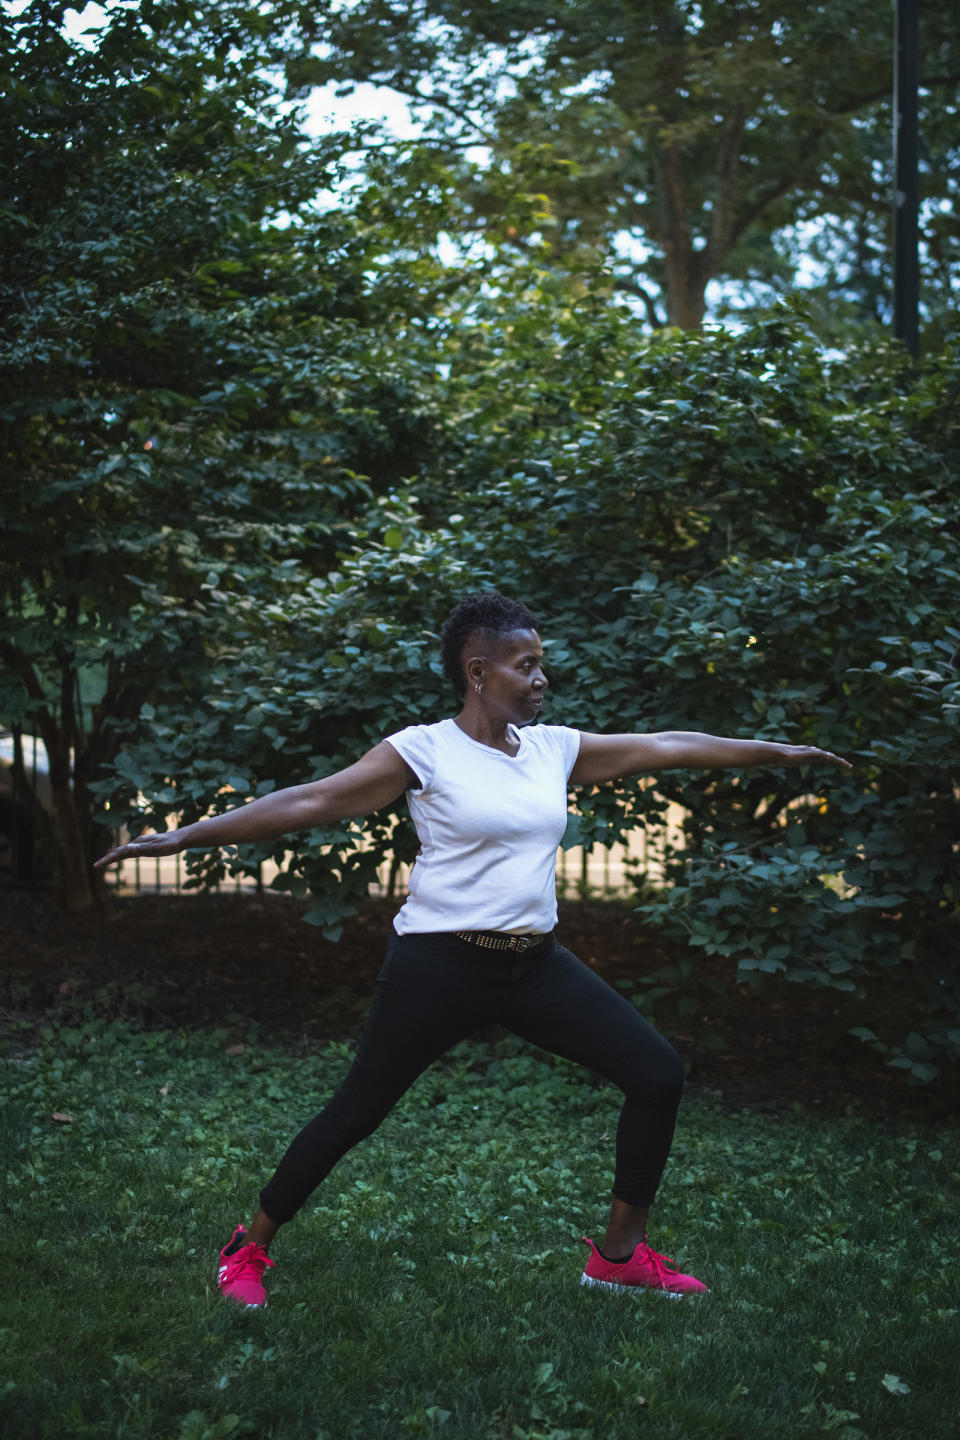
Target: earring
<point>478,687</point>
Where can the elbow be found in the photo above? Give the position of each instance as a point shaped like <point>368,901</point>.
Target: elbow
<point>313,806</point>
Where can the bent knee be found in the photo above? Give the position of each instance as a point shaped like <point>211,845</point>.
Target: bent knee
<point>676,1078</point>
<point>661,1084</point>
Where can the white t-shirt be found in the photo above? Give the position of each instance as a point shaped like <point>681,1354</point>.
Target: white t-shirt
<point>489,825</point>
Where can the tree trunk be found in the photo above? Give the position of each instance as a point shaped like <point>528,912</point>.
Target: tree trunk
<point>686,303</point>
<point>76,889</point>
<point>71,824</point>
<point>75,883</point>
<point>686,269</point>
<point>62,829</point>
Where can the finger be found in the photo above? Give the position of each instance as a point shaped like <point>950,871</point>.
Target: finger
<point>109,859</point>
<point>134,849</point>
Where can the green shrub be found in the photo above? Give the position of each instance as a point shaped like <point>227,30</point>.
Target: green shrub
<point>737,534</point>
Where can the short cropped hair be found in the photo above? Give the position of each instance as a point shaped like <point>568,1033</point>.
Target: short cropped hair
<point>487,615</point>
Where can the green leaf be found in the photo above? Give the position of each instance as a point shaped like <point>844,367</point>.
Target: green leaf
<point>575,834</point>
<point>894,1385</point>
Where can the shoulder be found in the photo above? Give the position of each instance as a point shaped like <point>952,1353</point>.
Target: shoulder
<point>419,746</point>
<point>559,740</point>
<point>430,734</point>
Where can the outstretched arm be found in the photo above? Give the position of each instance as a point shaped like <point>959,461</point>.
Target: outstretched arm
<point>377,779</point>
<point>610,757</point>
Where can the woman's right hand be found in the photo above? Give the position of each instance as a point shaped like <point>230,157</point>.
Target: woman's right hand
<point>145,847</point>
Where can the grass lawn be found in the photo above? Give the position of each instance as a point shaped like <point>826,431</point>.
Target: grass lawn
<point>432,1288</point>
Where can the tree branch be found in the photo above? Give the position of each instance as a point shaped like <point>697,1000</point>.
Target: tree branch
<point>633,287</point>
<point>723,224</point>
<point>411,92</point>
<point>743,223</point>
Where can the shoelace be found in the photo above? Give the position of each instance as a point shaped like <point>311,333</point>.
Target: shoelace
<point>249,1257</point>
<point>663,1266</point>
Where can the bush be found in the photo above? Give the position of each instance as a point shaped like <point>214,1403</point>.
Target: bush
<point>736,534</point>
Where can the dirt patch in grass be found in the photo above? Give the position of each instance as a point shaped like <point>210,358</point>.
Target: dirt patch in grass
<point>222,961</point>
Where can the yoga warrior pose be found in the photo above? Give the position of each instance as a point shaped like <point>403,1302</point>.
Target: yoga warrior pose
<point>473,945</point>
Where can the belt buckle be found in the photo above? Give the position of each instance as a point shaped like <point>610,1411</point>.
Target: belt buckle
<point>522,942</point>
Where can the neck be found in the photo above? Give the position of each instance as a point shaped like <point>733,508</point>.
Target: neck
<point>486,729</point>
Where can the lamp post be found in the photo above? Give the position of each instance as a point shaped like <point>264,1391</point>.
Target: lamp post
<point>906,198</point>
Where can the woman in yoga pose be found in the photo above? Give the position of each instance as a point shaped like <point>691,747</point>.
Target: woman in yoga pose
<point>474,943</point>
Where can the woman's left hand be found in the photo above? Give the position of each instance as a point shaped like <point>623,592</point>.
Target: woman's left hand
<point>811,755</point>
<point>145,847</point>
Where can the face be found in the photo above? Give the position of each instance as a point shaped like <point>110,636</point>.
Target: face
<point>510,672</point>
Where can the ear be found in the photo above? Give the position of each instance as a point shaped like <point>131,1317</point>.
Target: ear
<point>473,670</point>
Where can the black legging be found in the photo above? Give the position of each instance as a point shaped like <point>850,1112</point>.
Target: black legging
<point>433,991</point>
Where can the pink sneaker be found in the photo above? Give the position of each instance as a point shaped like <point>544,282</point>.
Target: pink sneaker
<point>645,1270</point>
<point>240,1276</point>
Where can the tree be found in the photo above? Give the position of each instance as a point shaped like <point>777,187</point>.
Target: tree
<point>196,374</point>
<point>682,141</point>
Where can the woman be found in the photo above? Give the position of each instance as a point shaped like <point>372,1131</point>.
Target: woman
<point>473,944</point>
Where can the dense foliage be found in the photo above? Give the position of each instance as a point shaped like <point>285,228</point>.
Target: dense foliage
<point>196,382</point>
<point>728,534</point>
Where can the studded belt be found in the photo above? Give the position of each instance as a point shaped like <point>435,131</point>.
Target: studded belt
<point>499,940</point>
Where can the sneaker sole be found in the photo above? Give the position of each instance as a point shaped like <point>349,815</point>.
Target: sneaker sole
<point>635,1289</point>
<point>243,1304</point>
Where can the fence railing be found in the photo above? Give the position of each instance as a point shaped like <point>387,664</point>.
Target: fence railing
<point>599,870</point>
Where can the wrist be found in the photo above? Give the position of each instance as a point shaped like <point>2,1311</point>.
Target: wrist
<point>767,752</point>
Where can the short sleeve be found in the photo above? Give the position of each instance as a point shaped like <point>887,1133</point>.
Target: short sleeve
<point>418,747</point>
<point>562,740</point>
<point>569,744</point>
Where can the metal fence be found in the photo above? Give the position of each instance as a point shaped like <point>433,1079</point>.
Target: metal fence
<point>602,871</point>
